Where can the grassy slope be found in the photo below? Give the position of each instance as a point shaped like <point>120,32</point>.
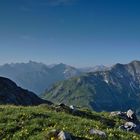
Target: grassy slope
<point>91,91</point>
<point>71,93</point>
<point>33,123</point>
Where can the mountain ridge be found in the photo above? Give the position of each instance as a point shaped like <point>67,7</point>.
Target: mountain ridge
<point>10,93</point>
<point>114,89</point>
<point>37,76</point>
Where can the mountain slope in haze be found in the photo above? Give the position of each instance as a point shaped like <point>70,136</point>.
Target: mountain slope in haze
<point>10,93</point>
<point>37,76</point>
<point>114,89</point>
<point>94,69</point>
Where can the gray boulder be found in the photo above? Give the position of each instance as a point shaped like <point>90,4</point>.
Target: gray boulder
<point>115,113</point>
<point>57,134</point>
<point>64,136</point>
<point>97,132</point>
<point>130,114</point>
<point>72,107</point>
<point>130,126</point>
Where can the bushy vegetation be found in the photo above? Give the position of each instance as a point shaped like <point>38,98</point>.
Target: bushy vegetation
<point>34,123</point>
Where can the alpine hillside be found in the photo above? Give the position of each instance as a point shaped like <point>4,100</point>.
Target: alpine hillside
<point>10,93</point>
<point>115,89</point>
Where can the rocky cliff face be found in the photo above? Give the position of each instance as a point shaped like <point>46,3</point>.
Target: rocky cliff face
<point>114,89</point>
<point>10,93</point>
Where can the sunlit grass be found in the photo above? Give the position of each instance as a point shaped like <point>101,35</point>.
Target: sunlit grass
<point>33,123</point>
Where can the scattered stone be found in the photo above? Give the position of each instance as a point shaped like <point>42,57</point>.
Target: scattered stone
<point>115,113</point>
<point>64,136</point>
<point>129,126</point>
<point>72,107</point>
<point>97,132</point>
<point>58,135</point>
<point>119,114</point>
<point>132,122</point>
<point>130,114</point>
<point>62,105</point>
<point>50,134</point>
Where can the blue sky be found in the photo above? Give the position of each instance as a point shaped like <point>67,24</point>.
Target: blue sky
<point>76,32</point>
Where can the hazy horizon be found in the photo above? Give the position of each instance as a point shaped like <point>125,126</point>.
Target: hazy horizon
<point>73,32</point>
<point>49,64</point>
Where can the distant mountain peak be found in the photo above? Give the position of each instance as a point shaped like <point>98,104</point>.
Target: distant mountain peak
<point>135,61</point>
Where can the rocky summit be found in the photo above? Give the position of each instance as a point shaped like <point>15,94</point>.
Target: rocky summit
<point>10,93</point>
<point>115,89</point>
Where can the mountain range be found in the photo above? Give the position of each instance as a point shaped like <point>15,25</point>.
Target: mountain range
<point>117,88</point>
<point>98,88</point>
<point>37,77</point>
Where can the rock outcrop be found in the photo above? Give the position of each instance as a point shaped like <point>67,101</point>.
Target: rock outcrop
<point>131,121</point>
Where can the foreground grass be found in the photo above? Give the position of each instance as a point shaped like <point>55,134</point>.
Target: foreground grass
<point>33,123</point>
